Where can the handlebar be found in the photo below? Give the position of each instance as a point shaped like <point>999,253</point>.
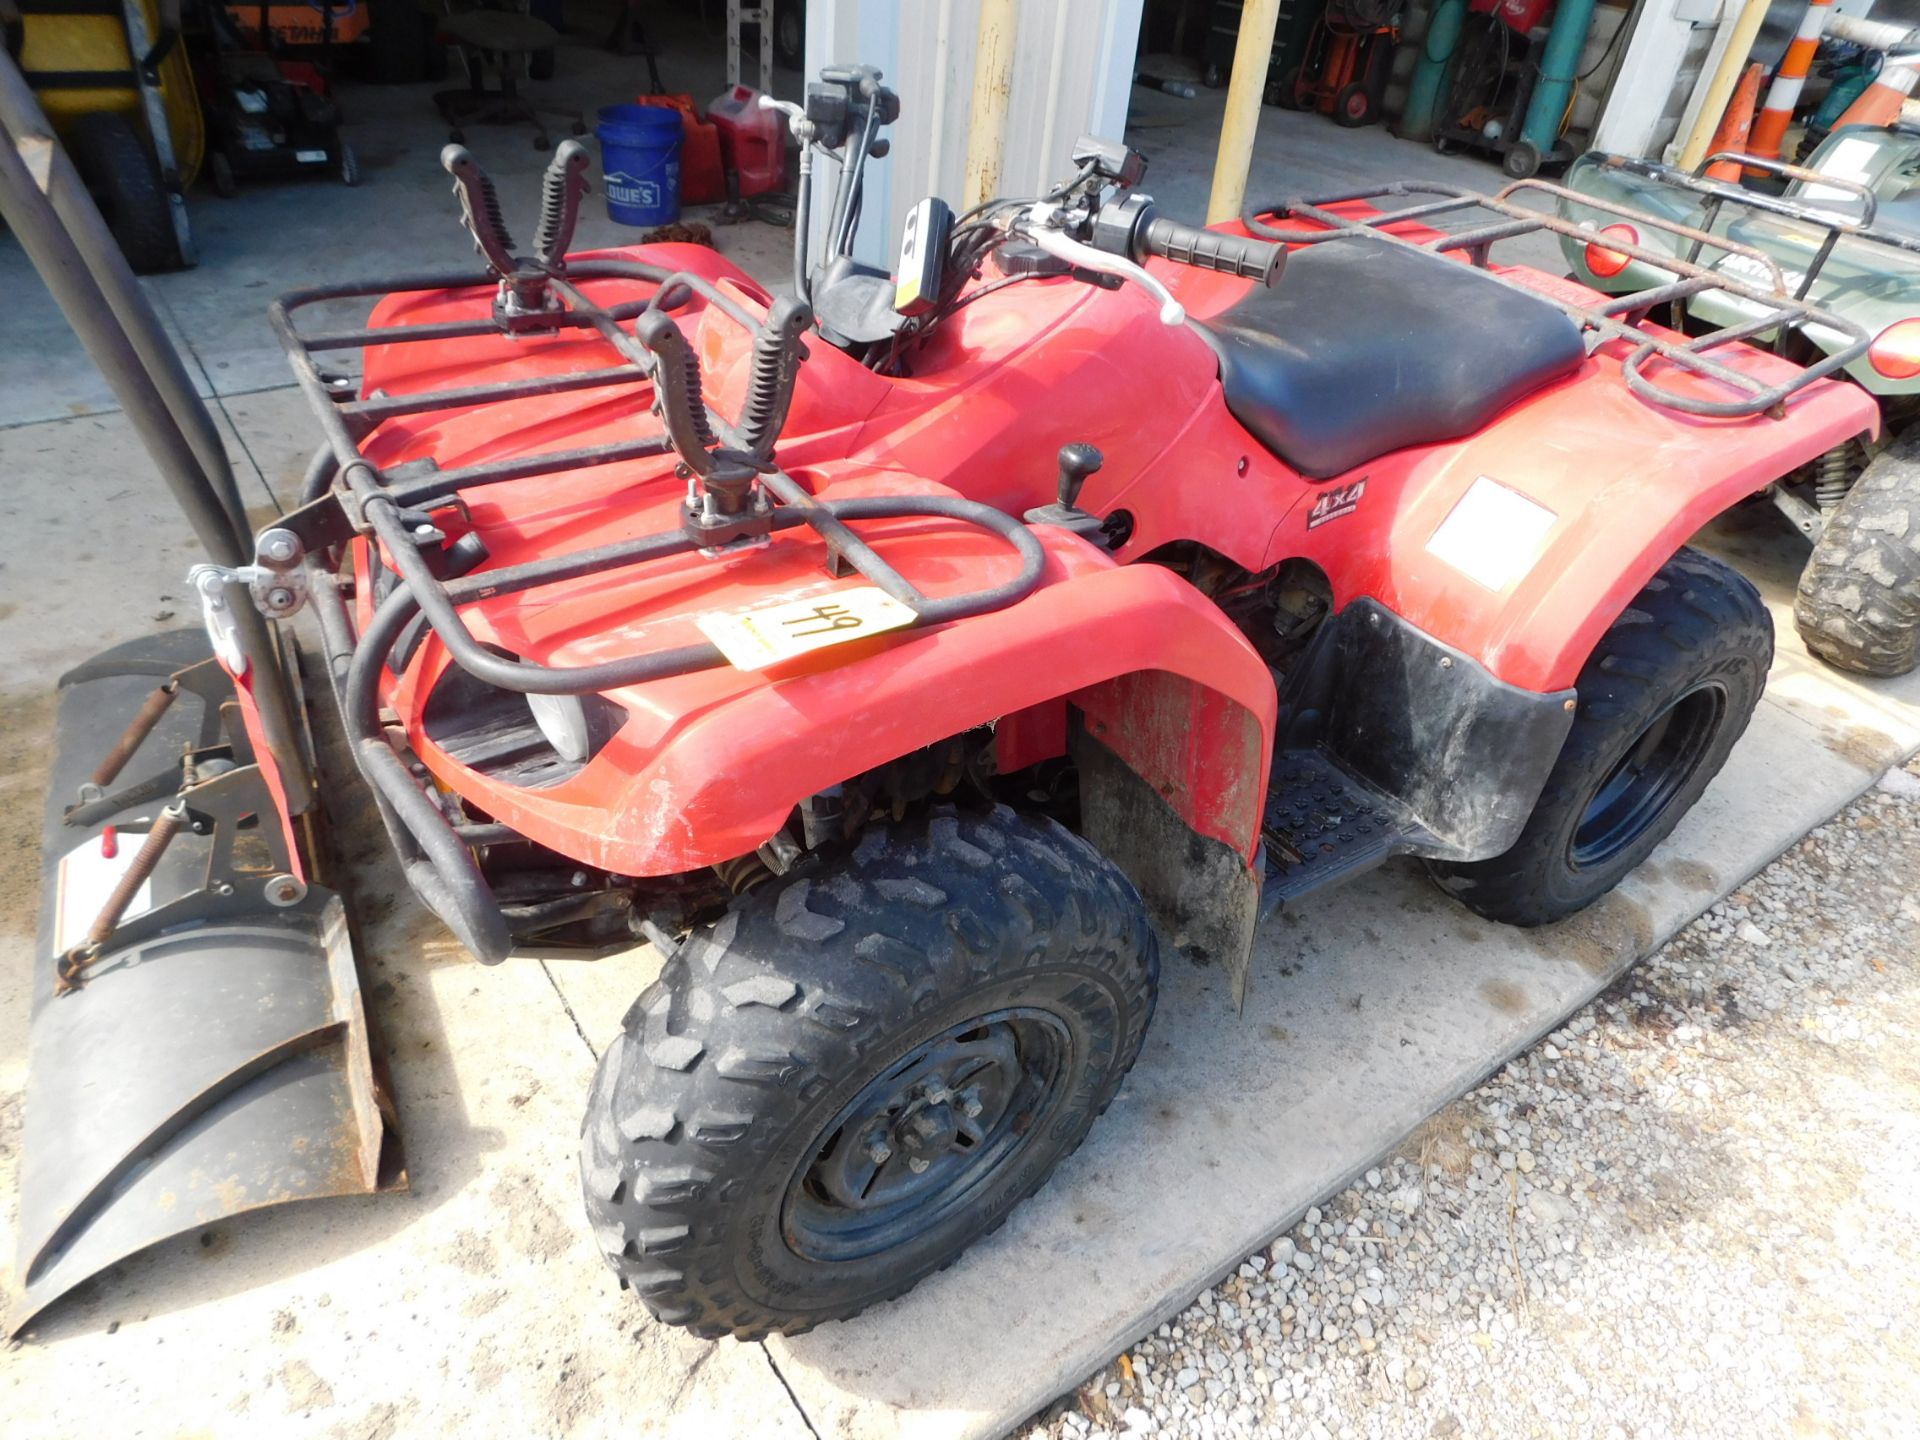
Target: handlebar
<point>1210,250</point>
<point>1124,232</point>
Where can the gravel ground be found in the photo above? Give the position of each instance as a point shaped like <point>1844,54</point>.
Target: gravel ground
<point>1691,1211</point>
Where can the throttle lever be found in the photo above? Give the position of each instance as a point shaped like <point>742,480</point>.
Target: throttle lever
<point>562,188</point>
<point>480,209</point>
<point>677,395</point>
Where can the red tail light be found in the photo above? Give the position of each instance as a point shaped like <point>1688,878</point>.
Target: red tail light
<point>1895,352</point>
<point>1607,263</point>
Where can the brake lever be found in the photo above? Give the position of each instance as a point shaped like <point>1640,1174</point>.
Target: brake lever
<point>1075,252</point>
<point>562,188</point>
<point>480,209</point>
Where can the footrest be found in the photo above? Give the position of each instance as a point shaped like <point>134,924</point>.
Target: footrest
<point>1323,825</point>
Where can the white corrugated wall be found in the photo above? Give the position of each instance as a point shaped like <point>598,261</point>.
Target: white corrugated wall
<point>1073,70</point>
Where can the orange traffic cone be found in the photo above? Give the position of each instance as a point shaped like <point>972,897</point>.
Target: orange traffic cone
<point>1784,94</point>
<point>1736,124</point>
<point>1879,103</point>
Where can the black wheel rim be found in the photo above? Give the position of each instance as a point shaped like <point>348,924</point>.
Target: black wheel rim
<point>1643,782</point>
<point>928,1135</point>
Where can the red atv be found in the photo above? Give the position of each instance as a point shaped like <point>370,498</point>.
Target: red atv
<point>892,654</point>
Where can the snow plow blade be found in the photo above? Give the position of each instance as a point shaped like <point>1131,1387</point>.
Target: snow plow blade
<point>211,1055</point>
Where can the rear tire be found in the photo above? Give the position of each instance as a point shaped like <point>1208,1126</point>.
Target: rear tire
<point>732,1152</point>
<point>1354,106</point>
<point>121,174</point>
<point>1662,699</point>
<point>1522,160</point>
<point>1858,604</point>
<point>790,33</point>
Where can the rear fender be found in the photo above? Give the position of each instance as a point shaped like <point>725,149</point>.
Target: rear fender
<point>1582,492</point>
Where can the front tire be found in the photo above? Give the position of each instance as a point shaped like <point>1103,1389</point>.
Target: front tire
<point>1858,602</point>
<point>861,1069</point>
<point>1661,701</point>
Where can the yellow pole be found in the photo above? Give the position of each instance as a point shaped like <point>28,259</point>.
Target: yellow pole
<point>992,87</point>
<point>1733,60</point>
<point>1251,57</point>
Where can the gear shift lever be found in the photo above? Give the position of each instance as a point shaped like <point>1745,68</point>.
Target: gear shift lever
<point>1077,461</point>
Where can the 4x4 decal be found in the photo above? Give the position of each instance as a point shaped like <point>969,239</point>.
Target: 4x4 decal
<point>1332,504</point>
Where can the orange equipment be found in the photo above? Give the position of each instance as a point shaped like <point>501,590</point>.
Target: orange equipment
<point>1345,68</point>
<point>1736,124</point>
<point>1771,128</point>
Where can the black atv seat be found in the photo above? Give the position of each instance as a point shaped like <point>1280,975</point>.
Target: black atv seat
<point>1366,346</point>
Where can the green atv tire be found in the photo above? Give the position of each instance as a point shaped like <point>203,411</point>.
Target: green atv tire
<point>1858,603</point>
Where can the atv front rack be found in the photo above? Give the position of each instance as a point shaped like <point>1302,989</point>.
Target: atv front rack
<point>1491,219</point>
<point>738,497</point>
<point>1718,194</point>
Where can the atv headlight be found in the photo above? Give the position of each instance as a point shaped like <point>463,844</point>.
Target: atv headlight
<point>515,738</point>
<point>563,721</point>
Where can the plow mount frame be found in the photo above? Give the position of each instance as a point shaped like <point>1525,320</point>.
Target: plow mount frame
<point>198,1044</point>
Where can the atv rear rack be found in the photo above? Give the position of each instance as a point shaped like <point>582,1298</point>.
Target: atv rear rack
<point>1499,217</point>
<point>345,494</point>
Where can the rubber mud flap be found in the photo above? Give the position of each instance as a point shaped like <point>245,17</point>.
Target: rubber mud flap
<point>202,1068</point>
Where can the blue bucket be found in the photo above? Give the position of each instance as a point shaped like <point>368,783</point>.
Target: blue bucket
<point>640,163</point>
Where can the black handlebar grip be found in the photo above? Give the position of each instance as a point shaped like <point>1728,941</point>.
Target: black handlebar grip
<point>1210,250</point>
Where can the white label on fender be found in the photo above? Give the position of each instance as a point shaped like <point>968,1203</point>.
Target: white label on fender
<point>1493,534</point>
<point>86,879</point>
<point>1850,159</point>
<point>755,639</point>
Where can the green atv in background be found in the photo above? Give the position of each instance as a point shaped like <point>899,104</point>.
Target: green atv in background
<point>1844,234</point>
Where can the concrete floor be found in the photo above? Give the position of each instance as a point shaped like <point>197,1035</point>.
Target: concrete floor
<point>475,1304</point>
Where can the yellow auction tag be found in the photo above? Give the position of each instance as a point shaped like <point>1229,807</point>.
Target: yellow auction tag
<point>754,639</point>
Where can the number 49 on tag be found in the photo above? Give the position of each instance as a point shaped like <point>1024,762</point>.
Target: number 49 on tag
<point>754,639</point>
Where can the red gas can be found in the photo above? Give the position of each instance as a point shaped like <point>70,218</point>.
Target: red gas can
<point>754,141</point>
<point>703,178</point>
<point>1521,16</point>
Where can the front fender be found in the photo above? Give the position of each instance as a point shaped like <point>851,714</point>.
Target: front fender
<point>723,775</point>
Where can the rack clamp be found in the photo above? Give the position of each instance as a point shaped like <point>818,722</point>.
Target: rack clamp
<point>727,509</point>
